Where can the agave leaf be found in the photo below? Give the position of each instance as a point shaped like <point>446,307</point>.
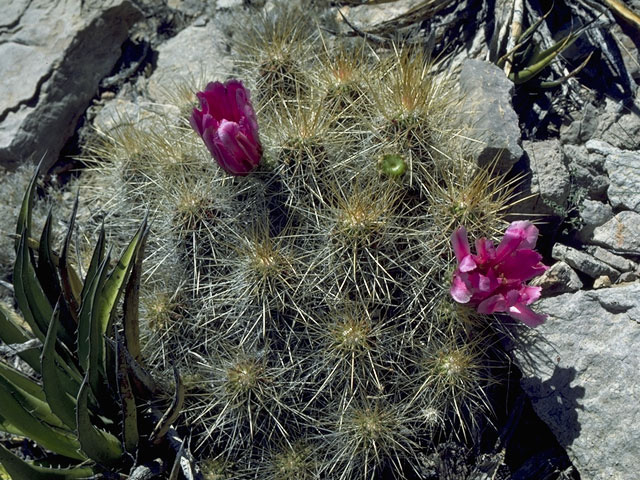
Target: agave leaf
<point>61,404</point>
<point>88,294</point>
<point>109,293</point>
<point>64,267</point>
<point>95,358</point>
<point>142,382</point>
<point>132,304</point>
<point>99,445</point>
<point>12,333</point>
<point>172,412</point>
<point>46,270</point>
<point>20,469</point>
<point>554,50</point>
<point>127,400</point>
<point>24,216</point>
<point>22,381</point>
<point>23,279</point>
<point>572,73</point>
<point>19,409</point>
<point>8,427</point>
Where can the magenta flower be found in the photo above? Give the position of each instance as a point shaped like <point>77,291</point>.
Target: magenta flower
<point>493,280</point>
<point>227,124</point>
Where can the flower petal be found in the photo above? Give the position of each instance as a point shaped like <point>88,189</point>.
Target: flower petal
<point>492,304</point>
<point>460,244</point>
<point>527,316</point>
<point>522,265</point>
<point>519,235</point>
<point>459,290</point>
<point>467,264</point>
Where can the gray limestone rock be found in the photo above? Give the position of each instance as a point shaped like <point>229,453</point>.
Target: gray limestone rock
<point>620,130</point>
<point>560,278</point>
<point>487,92</point>
<point>593,214</point>
<point>616,261</point>
<point>549,180</point>
<point>620,234</point>
<point>580,372</point>
<point>587,169</point>
<point>582,127</point>
<point>191,59</point>
<point>623,167</point>
<point>53,55</point>
<point>583,262</point>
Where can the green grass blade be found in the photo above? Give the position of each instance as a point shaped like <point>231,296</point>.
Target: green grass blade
<point>21,470</point>
<point>99,445</point>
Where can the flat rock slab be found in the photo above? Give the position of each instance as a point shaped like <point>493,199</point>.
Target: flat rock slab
<point>191,59</point>
<point>620,234</point>
<point>623,167</point>
<point>53,55</point>
<point>487,92</point>
<point>581,373</point>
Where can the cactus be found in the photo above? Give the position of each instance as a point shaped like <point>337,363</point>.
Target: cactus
<point>307,303</point>
<point>89,405</point>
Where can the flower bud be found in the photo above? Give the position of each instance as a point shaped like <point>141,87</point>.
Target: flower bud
<point>228,126</point>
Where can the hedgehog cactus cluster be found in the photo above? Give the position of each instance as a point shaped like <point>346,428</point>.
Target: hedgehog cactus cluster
<point>306,301</point>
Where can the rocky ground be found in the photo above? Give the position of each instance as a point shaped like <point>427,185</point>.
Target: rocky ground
<point>70,67</point>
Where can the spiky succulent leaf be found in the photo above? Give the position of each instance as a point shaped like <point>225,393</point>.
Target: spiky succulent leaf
<point>25,290</point>
<point>20,469</point>
<point>132,304</point>
<point>172,413</point>
<point>60,402</point>
<point>65,268</point>
<point>23,412</point>
<point>109,293</point>
<point>12,333</point>
<point>46,269</point>
<point>99,445</point>
<point>127,400</point>
<point>21,381</point>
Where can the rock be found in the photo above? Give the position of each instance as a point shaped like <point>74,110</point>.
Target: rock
<point>628,277</point>
<point>366,17</point>
<point>487,92</point>
<point>144,114</point>
<point>560,278</point>
<point>620,234</point>
<point>593,214</point>
<point>582,127</point>
<point>191,59</point>
<point>583,262</point>
<point>589,177</point>
<point>616,261</point>
<point>622,131</point>
<point>549,181</point>
<point>580,374</point>
<point>623,168</point>
<point>52,59</point>
<point>602,282</point>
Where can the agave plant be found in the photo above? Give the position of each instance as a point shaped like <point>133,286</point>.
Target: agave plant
<point>89,404</point>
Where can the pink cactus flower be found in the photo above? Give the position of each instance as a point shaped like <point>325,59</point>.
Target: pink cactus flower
<point>228,126</point>
<point>493,280</point>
